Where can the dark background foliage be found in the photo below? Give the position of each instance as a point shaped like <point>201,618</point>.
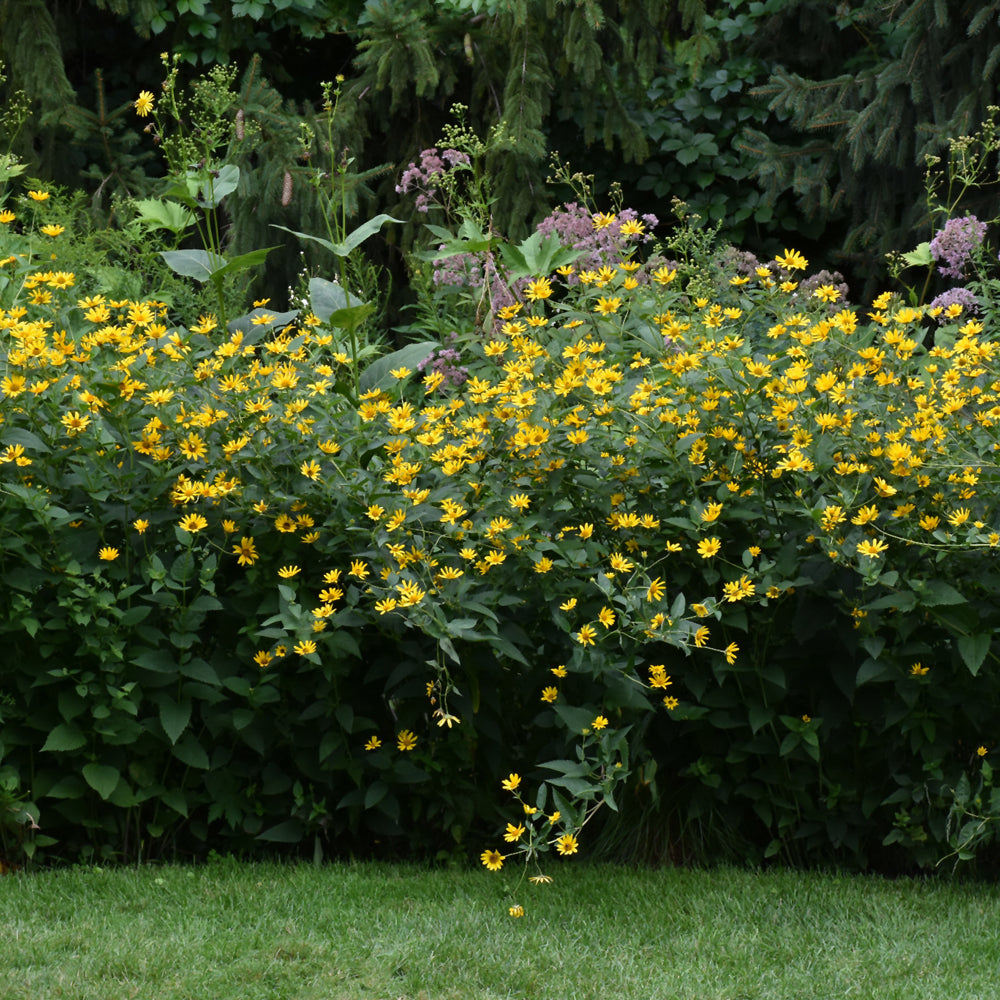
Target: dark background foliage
<point>808,120</point>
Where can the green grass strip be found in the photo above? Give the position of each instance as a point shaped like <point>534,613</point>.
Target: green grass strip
<point>229,931</point>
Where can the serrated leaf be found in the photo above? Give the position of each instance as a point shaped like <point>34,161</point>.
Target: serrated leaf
<point>174,717</point>
<point>64,738</point>
<point>102,778</point>
<point>973,650</point>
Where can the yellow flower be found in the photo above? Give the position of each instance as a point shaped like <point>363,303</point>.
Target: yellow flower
<point>493,860</point>
<point>607,306</point>
<point>514,833</point>
<point>517,910</point>
<point>540,879</point>
<point>143,103</point>
<point>559,671</point>
<point>74,422</point>
<point>358,569</point>
<point>511,783</point>
<point>670,702</point>
<point>539,289</point>
<point>305,647</point>
<point>656,590</point>
<point>108,554</point>
<point>792,260</point>
<point>140,525</point>
<point>567,844</point>
<point>406,739</point>
<point>549,694</point>
<point>730,652</point>
<point>606,617</point>
<point>872,548</point>
<point>918,671</point>
<point>262,658</point>
<point>310,469</point>
<point>708,547</point>
<point>287,572</point>
<point>245,551</point>
<point>7,216</point>
<point>568,605</point>
<point>586,635</point>
<point>711,512</point>
<point>52,230</point>
<point>519,501</point>
<point>192,523</point>
<point>982,751</point>
<point>599,723</point>
<point>373,743</point>
<point>38,195</point>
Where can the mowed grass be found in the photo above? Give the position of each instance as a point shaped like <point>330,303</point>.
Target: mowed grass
<point>229,931</point>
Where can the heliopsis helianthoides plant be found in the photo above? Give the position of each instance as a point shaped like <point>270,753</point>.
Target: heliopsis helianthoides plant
<point>703,509</point>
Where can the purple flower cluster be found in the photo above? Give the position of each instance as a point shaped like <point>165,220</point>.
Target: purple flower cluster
<point>423,177</point>
<point>445,361</point>
<point>956,296</point>
<point>954,244</point>
<point>574,225</point>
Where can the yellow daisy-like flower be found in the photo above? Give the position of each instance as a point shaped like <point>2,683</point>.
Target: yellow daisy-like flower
<point>514,833</point>
<point>38,195</point>
<point>245,551</point>
<point>568,605</point>
<point>108,553</point>
<point>262,658</point>
<point>539,879</point>
<point>549,694</point>
<point>143,103</point>
<point>53,230</point>
<point>192,523</point>
<point>792,260</point>
<point>708,547</point>
<point>511,783</point>
<point>607,305</point>
<point>539,289</point>
<point>982,751</point>
<point>656,590</point>
<point>74,422</point>
<point>517,910</point>
<point>599,723</point>
<point>373,743</point>
<point>305,647</point>
<point>586,635</point>
<point>406,740</point>
<point>140,525</point>
<point>567,844</point>
<point>873,548</point>
<point>493,860</point>
<point>7,216</point>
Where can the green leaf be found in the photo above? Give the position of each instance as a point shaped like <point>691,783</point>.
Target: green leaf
<point>936,592</point>
<point>291,831</point>
<point>170,215</point>
<point>197,264</point>
<point>102,778</point>
<point>872,670</point>
<point>354,239</point>
<point>377,374</point>
<point>973,650</point>
<point>920,257</point>
<point>189,751</point>
<point>174,717</point>
<point>64,738</point>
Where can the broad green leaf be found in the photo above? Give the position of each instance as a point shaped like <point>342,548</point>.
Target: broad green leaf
<point>377,374</point>
<point>973,650</point>
<point>936,592</point>
<point>64,738</point>
<point>102,778</point>
<point>159,214</point>
<point>291,831</point>
<point>920,257</point>
<point>197,264</point>
<point>174,717</point>
<point>354,239</point>
<point>189,751</point>
<point>350,317</point>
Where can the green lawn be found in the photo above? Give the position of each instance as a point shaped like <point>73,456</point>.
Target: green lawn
<point>228,931</point>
